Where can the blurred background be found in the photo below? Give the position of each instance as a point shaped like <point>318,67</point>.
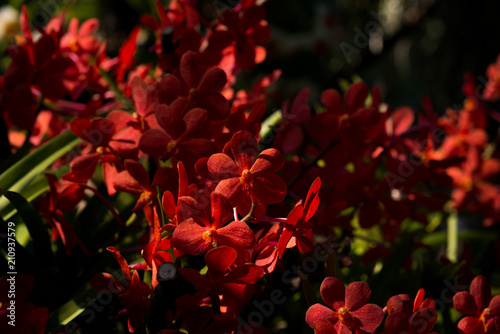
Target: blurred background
<point>407,47</point>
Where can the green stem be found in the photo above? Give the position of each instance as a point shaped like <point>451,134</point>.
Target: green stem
<point>452,237</point>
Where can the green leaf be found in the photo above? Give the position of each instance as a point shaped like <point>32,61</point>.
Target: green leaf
<point>35,225</point>
<point>37,188</point>
<point>71,309</point>
<point>21,174</point>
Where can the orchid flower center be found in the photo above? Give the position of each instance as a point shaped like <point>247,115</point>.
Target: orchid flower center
<point>146,197</point>
<point>469,104</point>
<point>246,178</point>
<point>346,317</point>
<point>209,236</point>
<point>483,318</point>
<point>172,147</point>
<point>192,93</point>
<point>344,120</point>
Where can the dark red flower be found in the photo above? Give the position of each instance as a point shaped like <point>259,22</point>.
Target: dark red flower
<point>246,173</point>
<point>347,311</point>
<point>198,87</point>
<point>134,294</point>
<point>234,283</point>
<point>98,133</point>
<point>179,136</point>
<point>478,306</point>
<point>245,28</point>
<point>407,318</point>
<point>289,135</point>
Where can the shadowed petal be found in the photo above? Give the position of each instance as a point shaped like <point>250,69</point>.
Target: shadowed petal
<point>357,294</point>
<point>480,289</point>
<point>397,323</point>
<point>370,315</point>
<point>470,325</point>
<point>333,292</point>
<point>244,149</point>
<point>464,303</point>
<point>154,142</point>
<point>219,260</point>
<point>213,81</point>
<point>423,320</point>
<point>269,189</point>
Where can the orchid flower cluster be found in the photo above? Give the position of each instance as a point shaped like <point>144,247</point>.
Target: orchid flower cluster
<point>210,201</point>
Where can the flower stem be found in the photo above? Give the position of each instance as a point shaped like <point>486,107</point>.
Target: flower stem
<point>106,202</point>
<point>452,237</point>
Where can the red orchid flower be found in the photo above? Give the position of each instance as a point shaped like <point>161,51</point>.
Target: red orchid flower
<point>245,27</point>
<point>80,39</point>
<point>480,309</point>
<point>135,180</point>
<point>197,87</point>
<point>174,211</point>
<point>246,173</point>
<point>179,136</point>
<point>407,318</point>
<point>289,135</point>
<point>129,128</point>
<point>297,225</point>
<point>265,251</point>
<point>127,55</point>
<point>155,253</point>
<point>234,283</point>
<point>62,196</point>
<point>98,132</point>
<point>347,312</point>
<point>355,123</point>
<point>491,91</point>
<point>134,294</point>
<point>199,233</point>
<point>247,99</point>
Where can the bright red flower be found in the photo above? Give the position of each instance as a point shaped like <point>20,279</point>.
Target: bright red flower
<point>198,87</point>
<point>204,229</point>
<point>480,309</point>
<point>246,173</point>
<point>347,311</point>
<point>80,39</point>
<point>297,225</point>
